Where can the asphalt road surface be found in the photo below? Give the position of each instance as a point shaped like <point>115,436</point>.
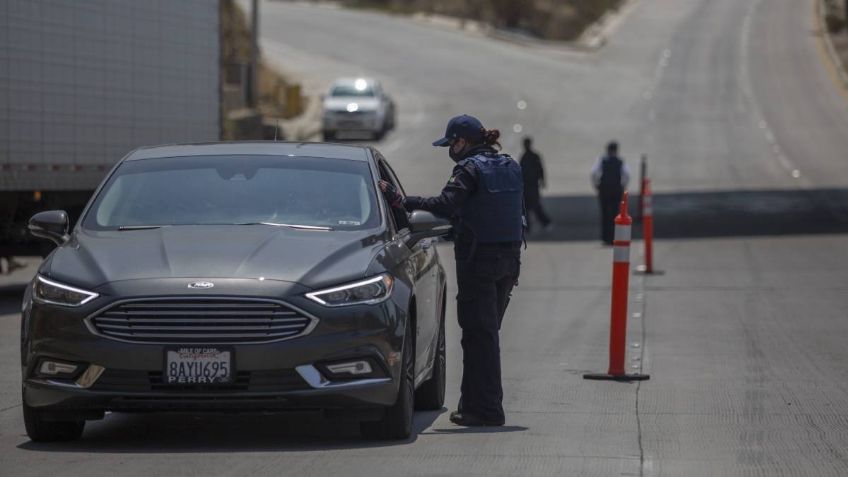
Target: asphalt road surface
<point>746,133</point>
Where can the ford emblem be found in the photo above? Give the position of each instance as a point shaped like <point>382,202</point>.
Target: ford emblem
<point>201,285</point>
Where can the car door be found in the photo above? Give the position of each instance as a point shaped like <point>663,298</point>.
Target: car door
<point>425,270</point>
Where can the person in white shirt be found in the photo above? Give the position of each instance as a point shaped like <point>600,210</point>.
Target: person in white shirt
<point>610,177</point>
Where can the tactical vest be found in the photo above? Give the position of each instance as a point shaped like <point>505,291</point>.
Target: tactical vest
<point>495,212</point>
<point>611,174</point>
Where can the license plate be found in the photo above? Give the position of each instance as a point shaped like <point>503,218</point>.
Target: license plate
<point>198,365</point>
<point>349,124</point>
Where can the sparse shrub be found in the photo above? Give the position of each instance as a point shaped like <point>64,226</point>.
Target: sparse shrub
<point>549,19</point>
<point>834,22</point>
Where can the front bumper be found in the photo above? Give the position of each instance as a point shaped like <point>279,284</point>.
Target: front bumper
<point>281,375</point>
<point>66,398</point>
<point>344,122</point>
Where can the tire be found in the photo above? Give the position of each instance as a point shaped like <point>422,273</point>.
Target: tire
<point>431,394</point>
<point>397,419</point>
<point>40,430</point>
<point>329,135</point>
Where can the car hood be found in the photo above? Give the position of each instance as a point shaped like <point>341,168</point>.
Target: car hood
<point>339,103</point>
<point>310,258</point>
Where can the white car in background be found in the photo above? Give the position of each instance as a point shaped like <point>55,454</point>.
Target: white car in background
<point>356,106</point>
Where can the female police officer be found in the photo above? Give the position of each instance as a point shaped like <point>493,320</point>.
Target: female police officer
<point>483,199</point>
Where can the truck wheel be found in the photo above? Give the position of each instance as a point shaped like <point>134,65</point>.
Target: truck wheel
<point>40,430</point>
<point>397,419</point>
<point>431,394</point>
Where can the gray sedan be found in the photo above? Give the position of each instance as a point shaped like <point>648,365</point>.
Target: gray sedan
<point>239,276</point>
<point>357,106</point>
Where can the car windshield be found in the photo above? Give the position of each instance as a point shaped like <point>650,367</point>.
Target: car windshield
<point>352,90</point>
<point>213,190</point>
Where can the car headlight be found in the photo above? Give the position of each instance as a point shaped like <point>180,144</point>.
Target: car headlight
<point>54,293</point>
<point>366,292</point>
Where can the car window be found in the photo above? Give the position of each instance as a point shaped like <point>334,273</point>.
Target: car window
<point>352,90</point>
<point>386,169</point>
<point>213,190</point>
<point>399,216</point>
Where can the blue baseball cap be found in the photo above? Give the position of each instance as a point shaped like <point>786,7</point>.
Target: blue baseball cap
<point>463,126</point>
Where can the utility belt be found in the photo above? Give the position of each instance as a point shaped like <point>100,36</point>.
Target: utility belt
<point>499,245</point>
<point>466,244</point>
<point>466,251</point>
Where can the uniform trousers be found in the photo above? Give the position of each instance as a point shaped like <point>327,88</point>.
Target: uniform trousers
<point>485,281</point>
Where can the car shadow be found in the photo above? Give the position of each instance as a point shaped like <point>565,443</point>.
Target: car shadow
<point>203,433</point>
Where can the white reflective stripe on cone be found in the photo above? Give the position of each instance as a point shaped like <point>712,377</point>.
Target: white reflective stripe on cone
<point>622,233</point>
<point>621,254</point>
<point>648,210</point>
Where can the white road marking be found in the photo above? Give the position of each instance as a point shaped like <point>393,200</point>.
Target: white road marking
<point>748,93</point>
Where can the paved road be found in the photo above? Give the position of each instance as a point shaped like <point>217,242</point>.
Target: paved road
<point>743,336</point>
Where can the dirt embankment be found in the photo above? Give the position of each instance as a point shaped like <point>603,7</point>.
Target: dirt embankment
<point>278,97</point>
<point>836,22</point>
<point>546,19</point>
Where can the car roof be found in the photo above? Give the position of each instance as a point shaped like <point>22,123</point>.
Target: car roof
<point>247,148</point>
<point>349,81</point>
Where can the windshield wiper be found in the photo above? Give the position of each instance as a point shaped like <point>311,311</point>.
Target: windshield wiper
<point>291,226</point>
<point>139,227</point>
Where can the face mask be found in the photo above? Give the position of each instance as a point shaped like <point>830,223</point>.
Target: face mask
<point>455,151</point>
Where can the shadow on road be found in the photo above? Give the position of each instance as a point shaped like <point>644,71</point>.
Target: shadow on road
<point>476,430</point>
<point>711,214</point>
<point>10,301</point>
<point>186,433</point>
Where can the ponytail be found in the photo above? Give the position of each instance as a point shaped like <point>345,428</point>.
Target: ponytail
<point>490,138</point>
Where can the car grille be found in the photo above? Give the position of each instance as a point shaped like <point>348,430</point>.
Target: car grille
<point>201,321</point>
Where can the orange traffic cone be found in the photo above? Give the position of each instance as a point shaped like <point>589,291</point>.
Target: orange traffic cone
<point>618,313</point>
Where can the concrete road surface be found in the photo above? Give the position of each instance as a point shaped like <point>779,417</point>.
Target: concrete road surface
<point>744,336</point>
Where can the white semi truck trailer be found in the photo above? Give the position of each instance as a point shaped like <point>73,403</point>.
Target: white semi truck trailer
<point>84,82</point>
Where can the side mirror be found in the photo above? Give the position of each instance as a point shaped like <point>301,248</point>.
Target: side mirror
<point>424,224</point>
<point>51,224</point>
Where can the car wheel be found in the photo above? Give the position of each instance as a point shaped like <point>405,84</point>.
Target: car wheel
<point>431,394</point>
<point>397,419</point>
<point>40,430</point>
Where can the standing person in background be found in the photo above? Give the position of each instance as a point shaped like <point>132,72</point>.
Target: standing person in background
<point>534,180</point>
<point>610,178</point>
